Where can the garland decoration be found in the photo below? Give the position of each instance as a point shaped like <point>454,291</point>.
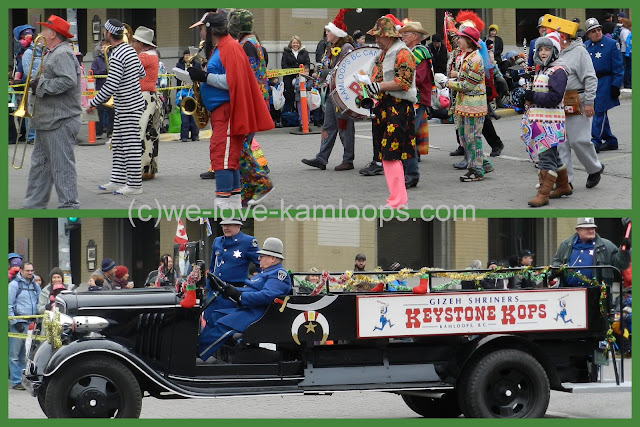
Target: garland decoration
<point>52,329</point>
<point>347,281</point>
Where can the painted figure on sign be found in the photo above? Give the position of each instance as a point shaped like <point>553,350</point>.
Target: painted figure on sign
<point>562,314</point>
<point>383,318</point>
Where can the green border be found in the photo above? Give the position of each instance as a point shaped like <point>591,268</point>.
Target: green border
<point>489,213</point>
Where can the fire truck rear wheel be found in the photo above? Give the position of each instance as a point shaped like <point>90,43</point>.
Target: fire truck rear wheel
<point>505,384</point>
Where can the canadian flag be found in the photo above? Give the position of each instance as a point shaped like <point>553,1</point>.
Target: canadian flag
<point>181,234</point>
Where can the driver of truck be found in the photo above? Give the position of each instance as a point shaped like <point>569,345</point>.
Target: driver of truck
<point>250,302</point>
<point>587,248</point>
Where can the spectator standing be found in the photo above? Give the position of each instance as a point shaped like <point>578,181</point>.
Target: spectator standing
<point>360,263</point>
<point>107,271</point>
<point>121,278</point>
<point>609,70</point>
<point>23,301</point>
<point>99,68</point>
<point>15,263</point>
<point>294,55</point>
<point>188,127</point>
<point>532,44</point>
<point>625,48</point>
<point>182,61</point>
<point>321,47</point>
<point>607,24</point>
<point>359,38</point>
<point>498,44</point>
<point>56,278</point>
<point>439,56</point>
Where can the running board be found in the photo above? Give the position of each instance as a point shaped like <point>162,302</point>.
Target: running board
<point>601,387</point>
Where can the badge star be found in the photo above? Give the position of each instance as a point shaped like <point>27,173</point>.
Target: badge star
<point>598,55</point>
<point>310,327</point>
<point>590,251</point>
<point>237,254</point>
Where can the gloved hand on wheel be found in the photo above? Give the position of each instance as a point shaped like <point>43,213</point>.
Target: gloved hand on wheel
<point>232,293</point>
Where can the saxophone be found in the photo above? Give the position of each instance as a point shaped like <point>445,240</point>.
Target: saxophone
<point>193,106</point>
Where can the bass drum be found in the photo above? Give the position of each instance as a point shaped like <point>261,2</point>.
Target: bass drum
<point>344,88</point>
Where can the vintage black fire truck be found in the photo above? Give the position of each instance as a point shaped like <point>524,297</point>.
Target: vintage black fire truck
<point>480,353</point>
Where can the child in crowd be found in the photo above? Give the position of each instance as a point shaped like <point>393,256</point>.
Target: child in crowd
<point>188,123</point>
<point>96,283</point>
<point>275,114</point>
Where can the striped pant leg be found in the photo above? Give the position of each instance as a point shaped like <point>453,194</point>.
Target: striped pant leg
<point>127,150</point>
<point>40,179</point>
<point>63,164</point>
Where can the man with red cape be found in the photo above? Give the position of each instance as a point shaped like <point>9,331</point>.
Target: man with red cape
<point>230,92</point>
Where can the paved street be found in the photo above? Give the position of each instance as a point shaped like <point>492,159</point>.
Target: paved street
<point>510,186</point>
<point>341,405</point>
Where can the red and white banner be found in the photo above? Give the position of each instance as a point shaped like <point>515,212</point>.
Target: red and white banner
<point>181,234</point>
<point>471,313</point>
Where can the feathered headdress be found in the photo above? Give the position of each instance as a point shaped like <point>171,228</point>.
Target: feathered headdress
<point>467,18</point>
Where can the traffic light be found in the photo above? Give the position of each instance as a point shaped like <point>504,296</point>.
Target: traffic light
<point>72,224</point>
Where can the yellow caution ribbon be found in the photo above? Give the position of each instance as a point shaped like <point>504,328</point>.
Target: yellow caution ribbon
<point>283,72</point>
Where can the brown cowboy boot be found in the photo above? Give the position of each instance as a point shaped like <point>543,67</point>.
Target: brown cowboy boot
<point>562,184</point>
<point>542,198</point>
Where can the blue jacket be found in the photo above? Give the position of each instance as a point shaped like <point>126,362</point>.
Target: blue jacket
<point>607,61</point>
<point>25,301</point>
<point>230,258</point>
<point>182,93</point>
<point>273,281</point>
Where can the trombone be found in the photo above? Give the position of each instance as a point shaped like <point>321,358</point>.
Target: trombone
<point>27,103</point>
<point>109,102</point>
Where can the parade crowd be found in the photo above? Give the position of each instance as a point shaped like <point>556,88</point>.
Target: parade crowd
<point>572,79</point>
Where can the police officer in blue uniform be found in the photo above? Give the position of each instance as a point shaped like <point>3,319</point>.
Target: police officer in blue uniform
<point>231,255</point>
<point>607,61</point>
<point>249,302</point>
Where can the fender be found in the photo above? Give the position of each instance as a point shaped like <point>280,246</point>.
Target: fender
<point>69,353</point>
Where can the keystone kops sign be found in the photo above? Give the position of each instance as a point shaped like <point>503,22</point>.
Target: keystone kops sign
<point>471,312</point>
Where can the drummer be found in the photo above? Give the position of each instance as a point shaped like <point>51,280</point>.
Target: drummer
<point>339,44</point>
<point>394,85</point>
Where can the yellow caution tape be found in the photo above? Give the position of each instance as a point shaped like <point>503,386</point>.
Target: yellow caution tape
<point>93,92</point>
<point>283,72</point>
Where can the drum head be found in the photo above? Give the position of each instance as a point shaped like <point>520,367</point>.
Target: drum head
<point>344,86</point>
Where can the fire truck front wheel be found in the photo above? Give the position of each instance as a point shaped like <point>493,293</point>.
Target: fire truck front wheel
<point>505,384</point>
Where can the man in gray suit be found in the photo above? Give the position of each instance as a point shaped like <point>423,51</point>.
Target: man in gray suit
<point>56,118</point>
